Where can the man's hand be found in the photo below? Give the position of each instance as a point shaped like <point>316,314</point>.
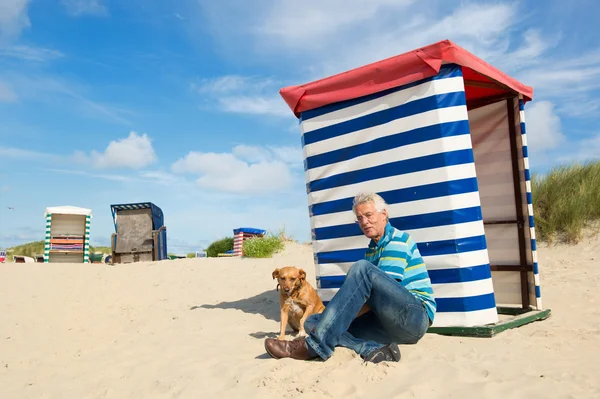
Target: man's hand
<point>363,310</point>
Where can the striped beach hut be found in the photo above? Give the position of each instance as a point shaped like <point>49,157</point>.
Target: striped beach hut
<point>67,234</point>
<point>241,234</point>
<point>440,135</point>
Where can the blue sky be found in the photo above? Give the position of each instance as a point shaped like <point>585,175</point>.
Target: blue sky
<point>177,102</point>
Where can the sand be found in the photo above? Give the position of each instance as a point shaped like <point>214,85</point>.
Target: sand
<point>194,328</point>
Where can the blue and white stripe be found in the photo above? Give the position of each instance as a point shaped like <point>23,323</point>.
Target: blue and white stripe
<point>536,274</point>
<point>411,145</point>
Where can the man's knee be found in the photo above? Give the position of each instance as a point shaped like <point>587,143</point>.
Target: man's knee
<point>360,267</point>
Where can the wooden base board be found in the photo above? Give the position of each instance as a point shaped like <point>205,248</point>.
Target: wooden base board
<point>519,317</point>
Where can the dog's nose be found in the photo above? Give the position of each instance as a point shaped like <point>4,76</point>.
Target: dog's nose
<point>286,289</point>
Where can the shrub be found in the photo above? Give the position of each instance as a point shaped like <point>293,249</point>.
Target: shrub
<point>218,247</point>
<point>262,247</point>
<point>565,200</point>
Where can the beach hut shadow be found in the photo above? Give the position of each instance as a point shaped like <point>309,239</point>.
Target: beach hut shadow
<point>265,304</point>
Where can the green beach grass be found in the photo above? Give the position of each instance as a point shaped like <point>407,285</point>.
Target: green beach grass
<point>566,201</point>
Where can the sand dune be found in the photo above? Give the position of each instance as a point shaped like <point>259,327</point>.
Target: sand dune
<point>194,328</point>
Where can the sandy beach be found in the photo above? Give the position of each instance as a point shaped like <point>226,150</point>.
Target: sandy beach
<point>194,328</point>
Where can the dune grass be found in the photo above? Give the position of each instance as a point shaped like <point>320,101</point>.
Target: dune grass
<point>566,201</point>
<point>262,247</point>
<point>267,246</point>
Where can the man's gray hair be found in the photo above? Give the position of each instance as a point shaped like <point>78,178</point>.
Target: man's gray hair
<point>378,202</point>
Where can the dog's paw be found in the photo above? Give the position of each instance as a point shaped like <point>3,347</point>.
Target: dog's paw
<point>302,334</point>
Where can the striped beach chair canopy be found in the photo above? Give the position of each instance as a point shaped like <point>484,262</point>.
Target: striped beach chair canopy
<point>249,230</point>
<point>158,219</point>
<point>440,135</point>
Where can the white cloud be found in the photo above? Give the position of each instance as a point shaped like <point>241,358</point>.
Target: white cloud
<point>6,94</point>
<point>256,105</point>
<point>119,178</point>
<point>38,87</point>
<point>244,95</point>
<point>156,177</point>
<point>232,83</point>
<point>252,153</point>
<point>246,170</point>
<point>164,178</point>
<point>30,53</point>
<point>85,7</point>
<point>580,107</point>
<point>290,155</point>
<point>557,78</point>
<point>13,18</point>
<point>286,154</point>
<point>314,23</point>
<point>134,152</point>
<point>585,150</point>
<point>21,154</point>
<point>487,35</point>
<point>318,45</point>
<point>544,131</point>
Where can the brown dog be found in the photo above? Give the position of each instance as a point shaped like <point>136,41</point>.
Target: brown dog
<point>297,299</point>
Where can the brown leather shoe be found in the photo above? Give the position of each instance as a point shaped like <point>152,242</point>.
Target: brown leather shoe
<point>295,349</point>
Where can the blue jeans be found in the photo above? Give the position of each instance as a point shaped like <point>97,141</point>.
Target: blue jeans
<point>395,316</point>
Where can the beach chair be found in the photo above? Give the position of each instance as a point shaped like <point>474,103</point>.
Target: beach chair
<point>140,234</point>
<point>23,259</point>
<point>96,257</point>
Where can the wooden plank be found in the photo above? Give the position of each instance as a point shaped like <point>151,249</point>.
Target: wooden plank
<point>518,200</point>
<point>488,100</point>
<point>65,241</point>
<point>494,84</point>
<point>490,330</point>
<point>512,311</point>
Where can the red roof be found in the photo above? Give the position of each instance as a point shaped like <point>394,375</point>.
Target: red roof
<point>482,81</point>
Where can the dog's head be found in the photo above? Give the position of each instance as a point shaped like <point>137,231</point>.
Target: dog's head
<point>290,278</point>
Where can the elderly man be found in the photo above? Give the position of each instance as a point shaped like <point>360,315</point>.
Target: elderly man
<point>385,300</point>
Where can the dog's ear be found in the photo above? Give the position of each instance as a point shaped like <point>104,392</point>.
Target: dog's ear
<point>275,273</point>
<point>302,275</point>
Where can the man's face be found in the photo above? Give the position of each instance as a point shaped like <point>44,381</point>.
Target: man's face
<point>371,222</point>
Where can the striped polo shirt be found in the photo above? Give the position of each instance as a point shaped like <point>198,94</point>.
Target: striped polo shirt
<point>397,254</point>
